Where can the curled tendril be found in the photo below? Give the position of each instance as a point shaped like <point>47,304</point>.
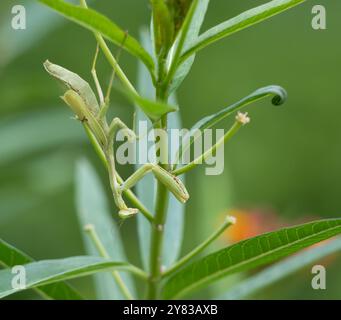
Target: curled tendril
<point>279,97</point>
<point>280,94</point>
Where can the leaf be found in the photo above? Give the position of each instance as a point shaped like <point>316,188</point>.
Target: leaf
<point>280,96</point>
<point>281,270</point>
<point>36,131</point>
<point>176,210</point>
<point>97,22</point>
<point>192,35</point>
<point>41,24</point>
<point>145,189</point>
<point>240,22</point>
<point>249,254</point>
<point>50,271</point>
<point>153,109</point>
<point>163,26</point>
<point>92,208</point>
<point>11,256</point>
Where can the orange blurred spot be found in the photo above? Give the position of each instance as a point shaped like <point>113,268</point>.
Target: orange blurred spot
<point>251,223</point>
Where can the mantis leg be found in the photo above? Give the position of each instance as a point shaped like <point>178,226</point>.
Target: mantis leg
<point>95,78</point>
<point>116,125</point>
<point>173,184</point>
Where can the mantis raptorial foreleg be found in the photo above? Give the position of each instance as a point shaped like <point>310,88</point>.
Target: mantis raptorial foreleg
<point>116,125</point>
<point>95,77</point>
<point>172,183</point>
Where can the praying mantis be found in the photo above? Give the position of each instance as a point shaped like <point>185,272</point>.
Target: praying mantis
<point>93,115</point>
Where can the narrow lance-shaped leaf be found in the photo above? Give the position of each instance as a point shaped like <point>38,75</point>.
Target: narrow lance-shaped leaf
<point>51,271</point>
<point>192,35</point>
<point>92,208</point>
<point>146,188</point>
<point>249,254</point>
<point>97,22</point>
<point>240,22</point>
<point>175,223</point>
<point>153,109</point>
<point>36,132</point>
<point>280,96</point>
<point>163,26</point>
<point>281,270</point>
<point>11,256</point>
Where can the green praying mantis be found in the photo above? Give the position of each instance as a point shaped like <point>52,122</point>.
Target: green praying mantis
<point>93,115</point>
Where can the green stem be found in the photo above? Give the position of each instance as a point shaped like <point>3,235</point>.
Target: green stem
<point>190,166</point>
<point>90,230</point>
<point>158,227</point>
<point>228,222</point>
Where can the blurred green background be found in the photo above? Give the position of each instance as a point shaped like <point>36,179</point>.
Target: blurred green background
<point>286,163</point>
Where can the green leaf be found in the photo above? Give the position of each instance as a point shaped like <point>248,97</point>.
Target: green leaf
<point>36,131</point>
<point>145,189</point>
<point>249,254</point>
<point>97,22</point>
<point>176,210</point>
<point>50,271</point>
<point>42,23</point>
<point>281,270</point>
<point>280,96</point>
<point>240,22</point>
<point>92,208</point>
<point>163,27</point>
<point>153,109</point>
<point>11,256</point>
<point>192,35</point>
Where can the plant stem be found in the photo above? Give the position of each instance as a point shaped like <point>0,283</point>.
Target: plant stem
<point>158,227</point>
<point>228,222</point>
<point>157,241</point>
<point>234,129</point>
<point>90,229</point>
